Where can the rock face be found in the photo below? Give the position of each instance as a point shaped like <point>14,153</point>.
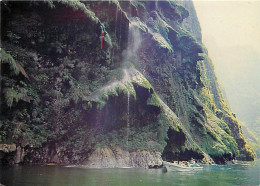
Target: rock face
<point>7,148</point>
<point>142,92</point>
<point>7,152</point>
<point>107,158</point>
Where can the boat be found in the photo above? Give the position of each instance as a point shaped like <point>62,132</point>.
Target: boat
<point>51,164</point>
<point>181,168</point>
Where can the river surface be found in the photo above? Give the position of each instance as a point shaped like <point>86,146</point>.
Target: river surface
<point>243,173</point>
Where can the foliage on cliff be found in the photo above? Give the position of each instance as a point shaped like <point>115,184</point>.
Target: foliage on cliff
<point>61,90</point>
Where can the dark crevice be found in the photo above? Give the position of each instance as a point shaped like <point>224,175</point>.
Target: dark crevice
<point>222,159</point>
<point>172,150</point>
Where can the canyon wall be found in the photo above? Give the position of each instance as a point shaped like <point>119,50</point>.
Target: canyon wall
<point>111,84</point>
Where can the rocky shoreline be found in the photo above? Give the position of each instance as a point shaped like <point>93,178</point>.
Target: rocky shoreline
<point>99,158</point>
<point>119,158</point>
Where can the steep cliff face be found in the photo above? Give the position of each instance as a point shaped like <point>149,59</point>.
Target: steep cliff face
<point>143,91</point>
<point>218,97</point>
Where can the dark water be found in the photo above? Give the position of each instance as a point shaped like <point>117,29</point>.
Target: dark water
<point>243,173</point>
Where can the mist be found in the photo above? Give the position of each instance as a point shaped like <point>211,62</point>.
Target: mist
<point>134,43</point>
<point>231,33</point>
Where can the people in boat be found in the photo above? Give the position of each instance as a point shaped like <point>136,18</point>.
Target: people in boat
<point>191,163</point>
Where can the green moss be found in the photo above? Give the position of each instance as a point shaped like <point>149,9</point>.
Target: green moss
<point>219,141</point>
<point>139,79</point>
<point>79,76</point>
<point>77,5</point>
<point>124,86</point>
<point>189,46</point>
<point>135,21</point>
<point>138,4</point>
<point>150,137</point>
<point>128,64</point>
<point>116,2</point>
<point>182,11</point>
<point>154,100</point>
<point>161,41</point>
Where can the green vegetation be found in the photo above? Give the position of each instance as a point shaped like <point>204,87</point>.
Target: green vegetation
<point>59,87</point>
<point>14,66</point>
<point>189,46</point>
<point>75,5</point>
<point>135,21</point>
<point>144,138</point>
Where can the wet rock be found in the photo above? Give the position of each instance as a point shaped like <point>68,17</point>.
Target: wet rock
<point>118,158</point>
<point>7,153</point>
<point>145,158</point>
<point>7,148</point>
<point>20,154</point>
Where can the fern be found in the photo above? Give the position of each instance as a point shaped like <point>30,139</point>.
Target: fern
<point>75,5</point>
<point>12,95</point>
<point>7,58</point>
<point>21,69</point>
<point>14,66</point>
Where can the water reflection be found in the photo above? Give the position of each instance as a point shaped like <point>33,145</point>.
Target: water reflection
<point>240,174</point>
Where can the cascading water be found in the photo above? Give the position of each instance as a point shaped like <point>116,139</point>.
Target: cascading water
<point>98,120</point>
<point>128,119</point>
<point>130,54</point>
<point>116,18</point>
<point>113,49</point>
<point>134,43</point>
<point>120,24</point>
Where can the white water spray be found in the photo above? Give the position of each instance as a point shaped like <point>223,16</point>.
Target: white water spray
<point>134,43</point>
<point>120,24</point>
<point>130,54</point>
<point>116,18</point>
<point>128,119</point>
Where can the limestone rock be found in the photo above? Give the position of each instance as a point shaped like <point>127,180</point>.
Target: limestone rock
<point>119,158</point>
<point>7,148</point>
<point>19,156</point>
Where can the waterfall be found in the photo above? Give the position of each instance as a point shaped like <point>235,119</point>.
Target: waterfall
<point>119,36</point>
<point>134,43</point>
<point>116,18</point>
<point>98,121</point>
<point>113,50</point>
<point>128,119</point>
<point>130,54</point>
